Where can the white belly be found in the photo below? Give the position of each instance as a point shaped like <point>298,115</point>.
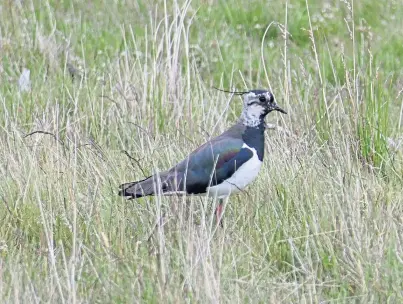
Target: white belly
<point>246,174</point>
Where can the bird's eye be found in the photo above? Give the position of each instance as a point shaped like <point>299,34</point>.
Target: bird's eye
<point>262,99</point>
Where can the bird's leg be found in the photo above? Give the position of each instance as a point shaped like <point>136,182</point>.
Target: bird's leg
<point>218,212</point>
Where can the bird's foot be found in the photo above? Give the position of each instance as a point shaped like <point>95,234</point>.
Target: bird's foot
<point>218,213</point>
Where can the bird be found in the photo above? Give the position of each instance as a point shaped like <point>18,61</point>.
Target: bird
<point>224,165</point>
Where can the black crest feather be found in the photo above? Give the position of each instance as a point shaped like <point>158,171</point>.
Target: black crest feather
<point>232,92</point>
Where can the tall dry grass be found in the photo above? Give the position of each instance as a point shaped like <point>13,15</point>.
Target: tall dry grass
<point>121,90</point>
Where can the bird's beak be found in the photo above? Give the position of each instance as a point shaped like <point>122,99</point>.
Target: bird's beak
<point>277,108</point>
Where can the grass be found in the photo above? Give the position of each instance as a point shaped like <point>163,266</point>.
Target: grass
<point>121,89</point>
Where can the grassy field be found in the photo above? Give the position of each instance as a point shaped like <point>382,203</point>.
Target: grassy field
<point>119,89</point>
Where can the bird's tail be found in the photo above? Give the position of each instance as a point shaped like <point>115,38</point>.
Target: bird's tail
<point>137,189</point>
<point>152,185</point>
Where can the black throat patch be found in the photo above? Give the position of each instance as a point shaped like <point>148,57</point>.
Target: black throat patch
<point>254,138</point>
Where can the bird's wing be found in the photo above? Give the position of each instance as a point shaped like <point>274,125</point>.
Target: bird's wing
<point>211,164</point>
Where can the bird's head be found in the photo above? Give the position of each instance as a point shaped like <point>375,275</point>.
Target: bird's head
<point>256,105</point>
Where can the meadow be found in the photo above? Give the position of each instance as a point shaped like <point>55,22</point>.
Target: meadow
<point>101,92</point>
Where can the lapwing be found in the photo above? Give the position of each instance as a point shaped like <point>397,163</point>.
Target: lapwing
<point>223,166</point>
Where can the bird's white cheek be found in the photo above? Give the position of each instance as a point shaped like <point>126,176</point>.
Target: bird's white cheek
<point>256,110</point>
